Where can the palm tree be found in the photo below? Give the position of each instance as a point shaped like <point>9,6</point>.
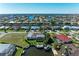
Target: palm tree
<point>67,51</point>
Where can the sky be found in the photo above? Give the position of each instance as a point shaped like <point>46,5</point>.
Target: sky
<point>39,8</point>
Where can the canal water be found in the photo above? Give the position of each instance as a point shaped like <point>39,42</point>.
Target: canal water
<point>33,51</point>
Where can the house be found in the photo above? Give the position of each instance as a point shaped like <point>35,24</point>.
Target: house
<point>35,27</point>
<point>2,27</point>
<point>7,49</point>
<point>25,27</point>
<point>35,35</point>
<point>56,28</point>
<point>71,27</point>
<point>11,22</point>
<point>62,38</point>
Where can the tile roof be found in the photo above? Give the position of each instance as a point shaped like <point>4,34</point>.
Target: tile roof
<point>62,37</point>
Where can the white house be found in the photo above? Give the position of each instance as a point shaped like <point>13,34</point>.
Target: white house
<point>2,27</point>
<point>7,49</point>
<point>71,27</point>
<point>35,35</point>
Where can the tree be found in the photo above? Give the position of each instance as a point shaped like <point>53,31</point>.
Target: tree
<point>53,22</point>
<point>75,24</point>
<point>41,28</point>
<point>67,23</point>
<point>50,41</point>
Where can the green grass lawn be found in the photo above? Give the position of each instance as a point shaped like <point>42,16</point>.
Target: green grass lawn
<point>40,43</point>
<point>15,38</point>
<point>1,30</point>
<point>19,51</point>
<point>34,42</point>
<point>75,41</point>
<point>51,32</point>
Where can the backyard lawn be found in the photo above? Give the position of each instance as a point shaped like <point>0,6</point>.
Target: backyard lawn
<point>19,51</point>
<point>34,42</point>
<point>15,38</point>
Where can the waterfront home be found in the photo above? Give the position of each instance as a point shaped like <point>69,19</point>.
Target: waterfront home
<point>25,27</point>
<point>62,38</point>
<point>35,35</point>
<point>11,22</point>
<point>71,27</point>
<point>7,49</point>
<point>35,27</point>
<point>56,28</point>
<point>2,27</point>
